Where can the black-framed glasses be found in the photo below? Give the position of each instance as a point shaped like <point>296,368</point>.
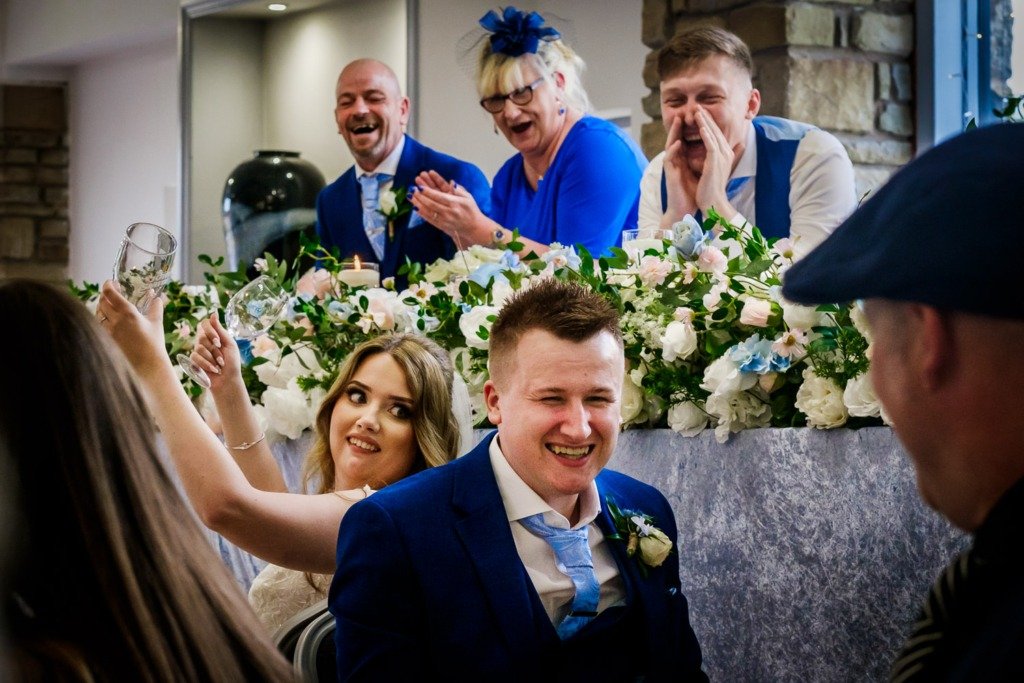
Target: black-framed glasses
<point>521,96</point>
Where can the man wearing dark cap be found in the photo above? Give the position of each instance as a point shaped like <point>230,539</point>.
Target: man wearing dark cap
<point>936,256</point>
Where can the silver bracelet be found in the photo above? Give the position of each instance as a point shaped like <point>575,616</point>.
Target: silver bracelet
<point>246,445</point>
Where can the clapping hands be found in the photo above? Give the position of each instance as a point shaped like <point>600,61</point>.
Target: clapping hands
<point>450,208</point>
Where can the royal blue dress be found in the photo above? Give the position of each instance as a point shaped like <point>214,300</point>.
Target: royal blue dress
<point>588,196</point>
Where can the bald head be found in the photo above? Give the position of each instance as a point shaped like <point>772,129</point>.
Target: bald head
<point>370,111</point>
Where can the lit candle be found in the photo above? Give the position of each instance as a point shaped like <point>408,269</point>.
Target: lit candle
<point>356,273</point>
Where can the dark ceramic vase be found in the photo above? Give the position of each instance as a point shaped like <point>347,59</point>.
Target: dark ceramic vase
<point>268,202</point>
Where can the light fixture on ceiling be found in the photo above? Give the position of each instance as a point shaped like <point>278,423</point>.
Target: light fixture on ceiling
<point>277,7</point>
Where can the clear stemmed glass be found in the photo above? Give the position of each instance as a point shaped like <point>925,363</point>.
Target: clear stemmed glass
<point>143,264</point>
<point>250,312</point>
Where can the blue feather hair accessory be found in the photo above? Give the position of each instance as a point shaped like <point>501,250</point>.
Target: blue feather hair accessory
<point>517,33</point>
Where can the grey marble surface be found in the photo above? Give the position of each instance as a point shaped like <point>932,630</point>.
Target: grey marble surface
<point>805,554</point>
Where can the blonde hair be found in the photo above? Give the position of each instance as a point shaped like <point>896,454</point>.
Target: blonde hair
<point>429,374</point>
<point>498,73</point>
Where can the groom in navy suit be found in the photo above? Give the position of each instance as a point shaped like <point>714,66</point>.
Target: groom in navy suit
<point>371,114</point>
<point>508,564</point>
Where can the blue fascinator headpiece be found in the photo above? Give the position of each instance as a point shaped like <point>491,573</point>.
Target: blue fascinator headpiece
<point>517,33</point>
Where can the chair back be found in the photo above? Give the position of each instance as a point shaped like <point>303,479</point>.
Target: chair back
<point>287,635</point>
<point>315,660</point>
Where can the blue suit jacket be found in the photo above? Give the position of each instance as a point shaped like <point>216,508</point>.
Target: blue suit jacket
<point>339,212</point>
<point>430,586</point>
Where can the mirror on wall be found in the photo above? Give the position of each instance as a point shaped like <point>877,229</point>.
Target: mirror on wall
<point>258,80</point>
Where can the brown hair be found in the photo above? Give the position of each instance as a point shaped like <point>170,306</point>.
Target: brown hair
<point>112,578</point>
<point>568,310</point>
<point>695,45</point>
<point>429,374</point>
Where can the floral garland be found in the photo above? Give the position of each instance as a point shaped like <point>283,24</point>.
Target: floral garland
<point>709,341</point>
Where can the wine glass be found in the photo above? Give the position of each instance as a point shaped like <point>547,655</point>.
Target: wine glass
<point>143,264</point>
<point>250,312</point>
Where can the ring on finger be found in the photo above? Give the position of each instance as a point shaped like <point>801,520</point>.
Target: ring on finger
<point>103,318</point>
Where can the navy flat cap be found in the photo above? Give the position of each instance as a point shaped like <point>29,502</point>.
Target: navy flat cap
<point>946,230</point>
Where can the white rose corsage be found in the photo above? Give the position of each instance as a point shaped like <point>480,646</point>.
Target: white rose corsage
<point>644,541</point>
<point>393,205</point>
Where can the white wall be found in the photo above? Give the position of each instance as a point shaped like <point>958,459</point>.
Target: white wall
<point>227,100</point>
<point>605,33</point>
<point>123,122</point>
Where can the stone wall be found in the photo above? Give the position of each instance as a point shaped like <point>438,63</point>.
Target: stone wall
<point>33,182</point>
<point>843,65</point>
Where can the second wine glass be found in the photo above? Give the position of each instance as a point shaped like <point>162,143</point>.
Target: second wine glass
<point>249,313</point>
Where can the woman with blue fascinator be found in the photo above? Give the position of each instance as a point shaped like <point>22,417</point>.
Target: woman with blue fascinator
<point>575,179</point>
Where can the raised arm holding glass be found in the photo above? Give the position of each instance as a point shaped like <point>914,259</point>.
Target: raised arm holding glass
<point>575,178</point>
<point>388,414</point>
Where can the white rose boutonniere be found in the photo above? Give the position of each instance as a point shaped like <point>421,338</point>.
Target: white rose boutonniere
<point>645,542</point>
<point>393,205</point>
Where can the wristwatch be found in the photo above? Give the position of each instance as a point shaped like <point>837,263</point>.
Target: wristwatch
<point>498,237</point>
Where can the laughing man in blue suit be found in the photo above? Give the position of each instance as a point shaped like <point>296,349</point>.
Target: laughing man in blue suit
<point>371,114</point>
<point>508,563</point>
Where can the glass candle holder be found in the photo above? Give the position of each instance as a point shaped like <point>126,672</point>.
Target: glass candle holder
<point>358,273</point>
<point>638,241</point>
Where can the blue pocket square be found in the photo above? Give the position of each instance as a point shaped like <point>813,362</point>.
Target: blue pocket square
<point>415,220</point>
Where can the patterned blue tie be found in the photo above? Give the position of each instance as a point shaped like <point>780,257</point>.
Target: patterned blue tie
<point>374,222</point>
<point>572,555</point>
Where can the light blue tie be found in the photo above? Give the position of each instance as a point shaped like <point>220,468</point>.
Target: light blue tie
<point>374,222</point>
<point>573,558</point>
<point>732,188</point>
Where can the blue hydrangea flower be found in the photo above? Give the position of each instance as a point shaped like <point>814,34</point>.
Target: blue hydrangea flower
<point>756,355</point>
<point>484,273</point>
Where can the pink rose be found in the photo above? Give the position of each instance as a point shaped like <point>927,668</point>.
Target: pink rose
<point>755,312</point>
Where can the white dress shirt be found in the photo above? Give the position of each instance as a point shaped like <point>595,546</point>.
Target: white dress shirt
<point>822,190</point>
<point>555,589</point>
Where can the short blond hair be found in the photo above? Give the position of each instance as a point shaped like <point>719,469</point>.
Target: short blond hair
<point>697,44</point>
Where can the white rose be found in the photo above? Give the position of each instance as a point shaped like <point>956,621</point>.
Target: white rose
<point>388,203</point>
<point>802,317</point>
<point>821,401</point>
<point>755,312</point>
<point>288,411</point>
<point>723,376</point>
<point>470,324</point>
<point>687,418</point>
<point>735,411</point>
<point>678,342</point>
<point>859,321</point>
<point>654,547</point>
<point>632,400</point>
<point>859,397</point>
<point>278,372</point>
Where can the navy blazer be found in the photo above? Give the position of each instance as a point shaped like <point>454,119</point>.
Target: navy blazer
<point>339,211</point>
<point>430,586</point>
